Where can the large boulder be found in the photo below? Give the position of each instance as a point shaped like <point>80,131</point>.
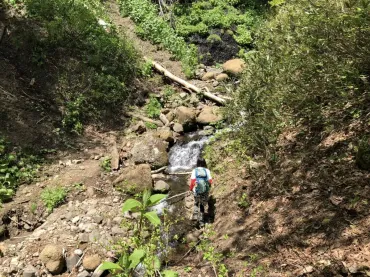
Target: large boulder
<point>151,150</point>
<point>186,117</point>
<point>209,115</point>
<point>52,257</point>
<point>234,66</point>
<point>137,177</point>
<point>165,134</point>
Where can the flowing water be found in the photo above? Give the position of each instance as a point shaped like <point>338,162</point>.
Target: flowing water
<point>183,158</point>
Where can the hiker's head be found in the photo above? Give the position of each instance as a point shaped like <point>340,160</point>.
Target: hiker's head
<point>201,162</point>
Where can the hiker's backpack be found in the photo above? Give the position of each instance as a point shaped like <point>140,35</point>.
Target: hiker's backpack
<point>202,180</point>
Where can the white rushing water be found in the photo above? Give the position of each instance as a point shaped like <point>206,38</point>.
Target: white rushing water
<point>183,156</point>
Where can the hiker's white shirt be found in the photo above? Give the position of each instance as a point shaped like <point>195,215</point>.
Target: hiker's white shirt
<point>193,177</point>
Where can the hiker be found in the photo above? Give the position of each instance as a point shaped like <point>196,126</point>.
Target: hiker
<point>200,184</point>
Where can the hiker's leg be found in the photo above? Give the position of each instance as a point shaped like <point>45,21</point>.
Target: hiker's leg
<point>196,208</point>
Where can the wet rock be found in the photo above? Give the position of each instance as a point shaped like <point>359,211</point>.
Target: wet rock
<point>222,77</point>
<point>30,271</point>
<point>161,186</point>
<point>209,115</point>
<point>136,177</point>
<point>186,116</point>
<point>90,263</point>
<point>52,257</point>
<point>234,66</point>
<point>151,150</point>
<point>208,76</point>
<point>72,261</point>
<point>165,134</point>
<point>178,128</point>
<point>207,131</point>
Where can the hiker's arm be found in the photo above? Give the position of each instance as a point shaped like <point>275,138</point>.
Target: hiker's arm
<point>192,180</point>
<point>210,180</point>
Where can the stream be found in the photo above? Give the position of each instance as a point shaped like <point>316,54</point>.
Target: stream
<point>183,158</point>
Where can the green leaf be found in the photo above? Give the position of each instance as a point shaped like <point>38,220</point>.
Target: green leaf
<point>110,266</point>
<point>146,195</point>
<point>153,218</point>
<point>157,263</point>
<point>154,199</point>
<point>170,273</point>
<point>136,257</point>
<point>130,204</point>
<point>123,261</point>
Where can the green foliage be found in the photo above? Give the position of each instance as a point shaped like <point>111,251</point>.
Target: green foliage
<point>140,249</point>
<point>168,92</point>
<point>243,201</point>
<point>213,38</point>
<point>150,125</point>
<point>243,35</point>
<point>147,69</point>
<point>72,119</point>
<point>95,65</point>
<point>16,167</point>
<point>53,197</point>
<point>33,208</point>
<point>200,17</point>
<point>153,109</point>
<point>210,253</point>
<point>105,164</point>
<point>311,69</point>
<point>156,29</point>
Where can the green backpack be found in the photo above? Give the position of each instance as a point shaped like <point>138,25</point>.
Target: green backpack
<point>202,180</point>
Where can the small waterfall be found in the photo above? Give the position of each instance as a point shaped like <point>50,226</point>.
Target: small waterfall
<point>184,155</point>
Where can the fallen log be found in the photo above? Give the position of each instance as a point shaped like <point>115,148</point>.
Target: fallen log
<point>179,173</point>
<point>186,84</point>
<point>146,119</point>
<point>159,170</point>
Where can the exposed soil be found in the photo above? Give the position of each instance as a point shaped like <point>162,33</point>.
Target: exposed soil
<point>144,47</point>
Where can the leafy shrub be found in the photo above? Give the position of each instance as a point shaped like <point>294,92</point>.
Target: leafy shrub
<point>153,109</point>
<point>138,250</point>
<point>150,125</point>
<point>214,38</point>
<point>147,69</point>
<point>105,164</point>
<point>155,28</point>
<point>200,17</point>
<point>95,65</point>
<point>311,68</point>
<point>15,168</point>
<point>53,197</point>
